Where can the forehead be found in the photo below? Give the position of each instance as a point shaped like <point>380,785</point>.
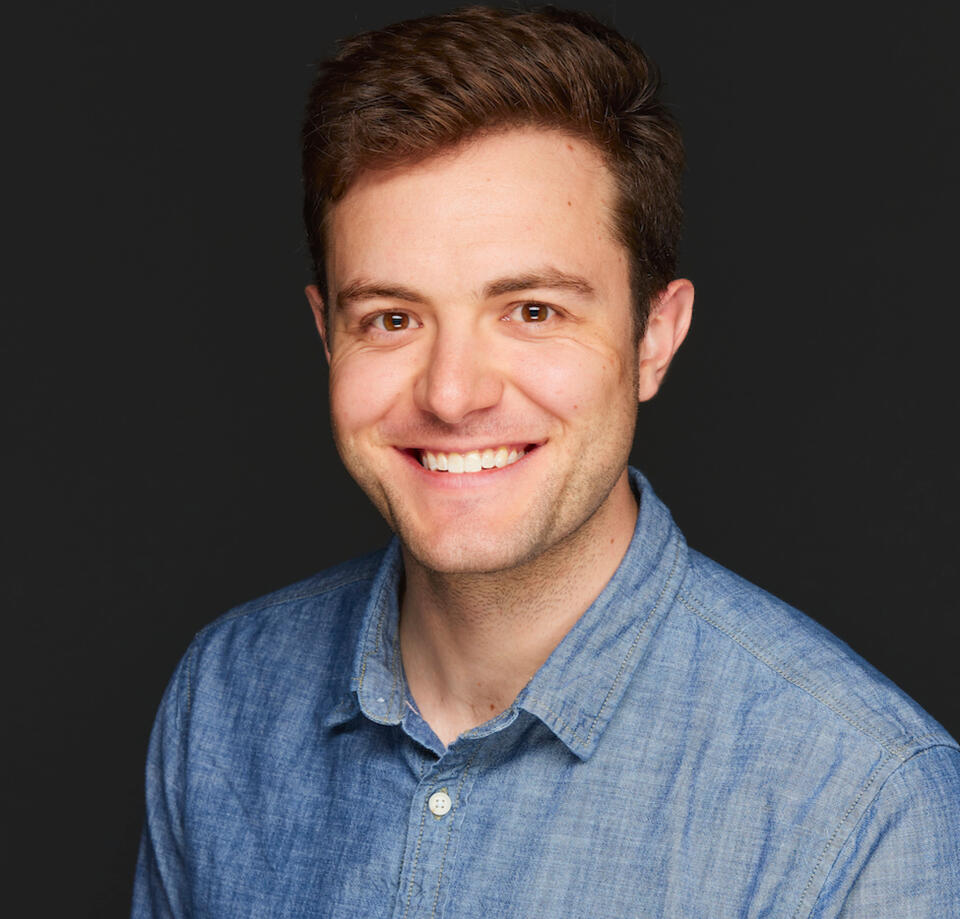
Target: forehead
<point>499,203</point>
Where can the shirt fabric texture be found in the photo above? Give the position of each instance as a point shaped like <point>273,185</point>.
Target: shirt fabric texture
<point>693,748</point>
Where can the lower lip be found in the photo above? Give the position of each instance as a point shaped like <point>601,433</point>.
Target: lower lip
<point>460,480</point>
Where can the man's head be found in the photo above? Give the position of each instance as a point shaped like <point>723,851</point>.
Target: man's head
<point>411,90</point>
<point>478,285</point>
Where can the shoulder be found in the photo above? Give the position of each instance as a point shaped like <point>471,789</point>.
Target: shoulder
<point>299,635</point>
<point>307,598</point>
<point>328,587</point>
<point>818,674</point>
<point>902,857</point>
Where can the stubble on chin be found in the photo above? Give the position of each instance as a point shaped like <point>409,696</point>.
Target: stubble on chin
<point>537,542</point>
<point>467,546</point>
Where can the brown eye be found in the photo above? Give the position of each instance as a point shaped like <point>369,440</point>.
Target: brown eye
<point>392,322</point>
<point>534,312</point>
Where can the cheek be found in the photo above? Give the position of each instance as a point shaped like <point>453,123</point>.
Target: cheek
<point>568,379</point>
<point>363,390</point>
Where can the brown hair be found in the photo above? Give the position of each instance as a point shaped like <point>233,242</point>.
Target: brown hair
<point>415,88</point>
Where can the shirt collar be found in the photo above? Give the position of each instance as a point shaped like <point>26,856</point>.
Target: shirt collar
<point>577,690</point>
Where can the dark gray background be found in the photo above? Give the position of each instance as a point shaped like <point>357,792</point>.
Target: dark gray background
<point>168,447</point>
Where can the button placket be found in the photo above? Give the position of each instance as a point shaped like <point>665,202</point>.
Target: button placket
<point>435,815</point>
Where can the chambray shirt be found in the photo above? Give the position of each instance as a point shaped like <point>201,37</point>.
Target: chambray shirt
<point>692,748</point>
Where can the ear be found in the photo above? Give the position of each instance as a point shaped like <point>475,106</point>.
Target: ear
<point>319,315</point>
<point>667,327</point>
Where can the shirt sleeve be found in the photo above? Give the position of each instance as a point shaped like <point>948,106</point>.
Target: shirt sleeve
<point>902,859</point>
<point>161,887</point>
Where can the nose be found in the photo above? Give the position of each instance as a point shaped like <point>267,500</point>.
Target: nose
<point>460,376</point>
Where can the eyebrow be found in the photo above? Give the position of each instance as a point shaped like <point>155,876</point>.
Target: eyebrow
<point>542,279</point>
<point>357,291</point>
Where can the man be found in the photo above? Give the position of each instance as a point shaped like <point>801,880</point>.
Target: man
<point>537,701</point>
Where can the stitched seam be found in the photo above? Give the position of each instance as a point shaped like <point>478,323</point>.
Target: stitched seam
<point>416,858</point>
<point>891,775</point>
<point>474,732</point>
<point>403,855</point>
<point>446,843</point>
<point>190,656</point>
<point>936,746</point>
<point>843,820</point>
<point>395,689</point>
<point>643,627</point>
<point>363,662</point>
<point>289,598</point>
<point>562,723</point>
<point>920,737</point>
<point>896,749</point>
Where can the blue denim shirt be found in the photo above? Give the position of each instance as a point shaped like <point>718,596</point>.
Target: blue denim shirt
<point>692,748</point>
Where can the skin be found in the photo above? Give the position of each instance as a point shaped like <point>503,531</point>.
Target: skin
<point>437,271</point>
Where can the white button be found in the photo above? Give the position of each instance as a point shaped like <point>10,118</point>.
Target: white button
<point>439,803</point>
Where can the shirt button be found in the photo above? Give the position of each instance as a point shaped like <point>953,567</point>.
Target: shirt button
<point>439,803</point>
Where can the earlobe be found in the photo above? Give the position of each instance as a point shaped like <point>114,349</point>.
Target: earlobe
<point>319,309</point>
<point>667,326</point>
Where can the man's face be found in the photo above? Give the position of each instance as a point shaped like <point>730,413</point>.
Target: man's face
<point>481,313</point>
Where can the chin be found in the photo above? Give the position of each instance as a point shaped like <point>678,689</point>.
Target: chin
<point>477,554</point>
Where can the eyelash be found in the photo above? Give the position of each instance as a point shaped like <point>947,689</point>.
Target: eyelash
<point>376,320</point>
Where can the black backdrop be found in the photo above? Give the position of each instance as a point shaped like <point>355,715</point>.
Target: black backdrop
<point>168,447</point>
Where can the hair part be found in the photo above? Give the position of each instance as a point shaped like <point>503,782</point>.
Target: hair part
<point>424,86</point>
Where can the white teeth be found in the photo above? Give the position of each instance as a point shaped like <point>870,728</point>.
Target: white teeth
<point>473,461</point>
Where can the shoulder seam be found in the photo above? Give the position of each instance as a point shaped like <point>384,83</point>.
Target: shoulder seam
<point>953,747</point>
<point>258,607</point>
<point>899,750</point>
<point>871,779</point>
<point>892,773</point>
<point>249,610</point>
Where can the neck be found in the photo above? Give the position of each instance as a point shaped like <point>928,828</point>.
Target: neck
<point>471,642</point>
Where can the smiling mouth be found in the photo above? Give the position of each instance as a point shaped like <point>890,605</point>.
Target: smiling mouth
<point>471,461</point>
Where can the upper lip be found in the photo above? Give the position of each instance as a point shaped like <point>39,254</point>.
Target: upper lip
<point>490,445</point>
